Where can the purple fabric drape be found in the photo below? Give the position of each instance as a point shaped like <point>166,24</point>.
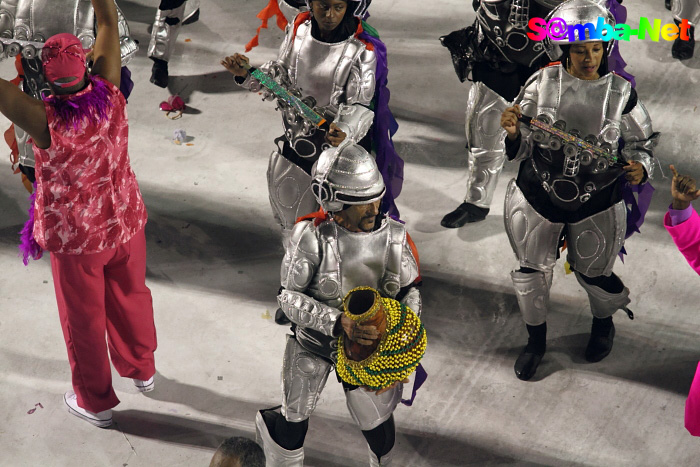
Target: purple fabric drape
<point>28,247</point>
<point>384,127</point>
<point>637,207</point>
<point>615,61</point>
<point>127,85</point>
<point>421,376</point>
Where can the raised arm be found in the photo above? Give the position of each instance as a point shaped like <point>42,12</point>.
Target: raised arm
<point>27,113</point>
<point>107,51</point>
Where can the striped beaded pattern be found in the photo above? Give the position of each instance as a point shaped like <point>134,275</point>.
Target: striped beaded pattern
<point>397,355</point>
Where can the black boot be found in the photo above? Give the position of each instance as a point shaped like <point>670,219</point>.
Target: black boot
<point>601,341</point>
<point>281,318</point>
<point>530,357</point>
<point>159,72</point>
<point>466,212</point>
<point>683,50</point>
<point>194,17</point>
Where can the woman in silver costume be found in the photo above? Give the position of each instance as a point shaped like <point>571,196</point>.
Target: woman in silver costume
<point>564,192</point>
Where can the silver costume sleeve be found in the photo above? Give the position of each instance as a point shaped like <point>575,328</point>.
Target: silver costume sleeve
<point>308,312</point>
<point>128,46</point>
<point>413,300</point>
<point>639,137</point>
<point>527,100</point>
<point>362,79</point>
<point>302,258</point>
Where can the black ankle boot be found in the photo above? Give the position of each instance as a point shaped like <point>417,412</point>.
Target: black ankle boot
<point>683,50</point>
<point>529,359</point>
<point>601,341</point>
<point>159,72</point>
<point>281,318</point>
<point>466,212</point>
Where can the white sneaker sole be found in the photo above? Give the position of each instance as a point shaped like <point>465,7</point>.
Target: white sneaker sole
<point>93,421</point>
<point>147,388</point>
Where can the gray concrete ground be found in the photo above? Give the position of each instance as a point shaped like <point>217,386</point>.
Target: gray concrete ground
<point>214,257</point>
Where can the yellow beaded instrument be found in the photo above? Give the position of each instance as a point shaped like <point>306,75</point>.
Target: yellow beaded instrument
<point>399,350</point>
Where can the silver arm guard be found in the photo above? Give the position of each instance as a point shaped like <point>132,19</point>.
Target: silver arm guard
<point>527,99</point>
<point>354,120</point>
<point>413,300</point>
<point>302,258</point>
<point>639,137</point>
<point>361,82</point>
<point>308,312</point>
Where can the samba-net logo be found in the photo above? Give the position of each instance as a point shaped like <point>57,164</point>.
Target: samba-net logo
<point>556,29</point>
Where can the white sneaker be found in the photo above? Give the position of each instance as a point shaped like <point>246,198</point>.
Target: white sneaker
<point>145,386</point>
<point>101,419</point>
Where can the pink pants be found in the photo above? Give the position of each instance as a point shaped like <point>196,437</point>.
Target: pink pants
<point>105,292</point>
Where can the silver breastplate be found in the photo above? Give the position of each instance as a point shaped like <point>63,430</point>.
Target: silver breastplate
<point>352,260</point>
<point>318,70</point>
<point>592,109</point>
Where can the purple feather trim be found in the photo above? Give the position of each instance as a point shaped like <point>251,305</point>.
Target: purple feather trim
<point>384,127</point>
<point>89,105</point>
<point>28,246</point>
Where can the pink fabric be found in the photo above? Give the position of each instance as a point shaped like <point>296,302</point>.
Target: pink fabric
<point>686,236</point>
<point>105,293</point>
<point>692,406</point>
<point>63,57</point>
<point>87,198</point>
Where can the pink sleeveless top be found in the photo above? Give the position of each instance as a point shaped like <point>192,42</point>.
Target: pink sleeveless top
<point>87,197</point>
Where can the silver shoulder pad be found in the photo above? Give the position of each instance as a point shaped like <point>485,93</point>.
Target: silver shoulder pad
<point>302,257</point>
<point>639,137</point>
<point>307,312</point>
<point>354,120</point>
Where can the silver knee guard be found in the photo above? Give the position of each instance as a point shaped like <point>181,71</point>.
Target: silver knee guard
<point>604,304</point>
<point>534,239</point>
<point>486,143</point>
<point>593,243</point>
<point>304,375</point>
<point>532,293</point>
<point>686,9</point>
<point>370,410</point>
<point>290,191</point>
<point>164,35</point>
<point>276,455</point>
<point>386,459</point>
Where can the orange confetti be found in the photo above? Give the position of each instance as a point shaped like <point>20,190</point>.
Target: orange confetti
<point>190,144</point>
<point>188,40</point>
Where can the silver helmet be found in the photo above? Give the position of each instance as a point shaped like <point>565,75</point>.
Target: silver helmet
<point>578,13</point>
<point>360,7</point>
<point>346,175</point>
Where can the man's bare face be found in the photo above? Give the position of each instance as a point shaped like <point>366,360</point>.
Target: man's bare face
<point>359,217</point>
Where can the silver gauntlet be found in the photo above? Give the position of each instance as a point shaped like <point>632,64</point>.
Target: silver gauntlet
<point>307,312</point>
<point>354,120</point>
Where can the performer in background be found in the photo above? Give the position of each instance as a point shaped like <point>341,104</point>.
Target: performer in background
<point>171,15</point>
<point>374,251</point>
<point>688,10</point>
<point>566,191</point>
<point>334,61</point>
<point>499,54</point>
<point>89,214</point>
<point>682,220</point>
<point>24,26</point>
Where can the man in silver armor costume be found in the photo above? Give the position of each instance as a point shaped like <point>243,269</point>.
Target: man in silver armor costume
<point>353,245</point>
<point>25,25</point>
<point>564,192</point>
<point>499,54</point>
<point>171,15</point>
<point>690,10</point>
